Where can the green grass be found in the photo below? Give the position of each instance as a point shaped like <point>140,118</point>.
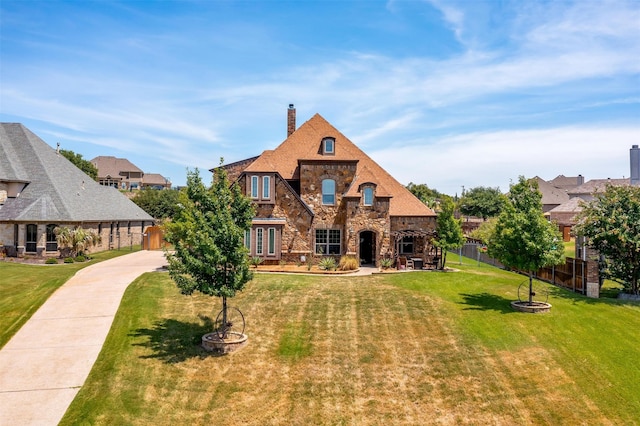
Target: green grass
<point>411,348</point>
<point>25,287</point>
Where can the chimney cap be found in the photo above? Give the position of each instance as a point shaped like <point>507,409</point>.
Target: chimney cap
<point>634,146</point>
<point>290,106</point>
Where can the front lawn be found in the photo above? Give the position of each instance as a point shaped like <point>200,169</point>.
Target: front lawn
<point>410,348</point>
<point>25,287</point>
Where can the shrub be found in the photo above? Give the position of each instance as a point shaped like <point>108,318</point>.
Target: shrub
<point>68,260</point>
<point>348,263</point>
<point>80,258</point>
<point>255,261</point>
<point>327,263</point>
<point>51,261</point>
<point>386,263</point>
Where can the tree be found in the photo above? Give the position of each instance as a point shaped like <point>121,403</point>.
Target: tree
<point>482,202</point>
<point>611,224</point>
<point>428,196</point>
<point>84,165</point>
<point>448,228</point>
<point>207,235</point>
<point>523,238</point>
<point>75,240</point>
<point>159,203</point>
<point>485,230</point>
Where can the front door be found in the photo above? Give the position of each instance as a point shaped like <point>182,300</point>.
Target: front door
<point>367,247</point>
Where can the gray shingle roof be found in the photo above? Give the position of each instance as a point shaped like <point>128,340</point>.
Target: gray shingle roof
<point>57,190</point>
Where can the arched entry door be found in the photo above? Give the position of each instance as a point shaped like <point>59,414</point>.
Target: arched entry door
<point>368,247</point>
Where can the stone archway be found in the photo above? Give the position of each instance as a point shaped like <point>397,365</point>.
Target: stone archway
<point>367,248</point>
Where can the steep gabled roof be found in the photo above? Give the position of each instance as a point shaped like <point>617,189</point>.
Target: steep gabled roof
<point>305,145</point>
<point>550,194</point>
<point>57,191</point>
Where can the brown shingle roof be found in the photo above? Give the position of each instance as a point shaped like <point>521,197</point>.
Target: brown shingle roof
<point>112,166</point>
<point>550,194</point>
<point>306,144</point>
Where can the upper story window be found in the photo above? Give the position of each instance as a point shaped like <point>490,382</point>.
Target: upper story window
<point>255,181</point>
<point>329,191</point>
<point>328,146</point>
<point>261,188</point>
<point>367,196</point>
<point>266,187</point>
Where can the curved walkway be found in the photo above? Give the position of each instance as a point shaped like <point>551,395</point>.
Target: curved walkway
<point>44,365</point>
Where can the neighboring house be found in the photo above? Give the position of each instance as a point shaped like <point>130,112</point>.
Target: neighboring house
<point>122,174</point>
<point>318,194</point>
<point>587,190</point>
<point>40,190</point>
<point>551,196</point>
<point>155,181</point>
<point>566,183</point>
<point>118,172</point>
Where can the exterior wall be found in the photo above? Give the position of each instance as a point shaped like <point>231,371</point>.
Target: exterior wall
<point>296,232</point>
<point>374,218</point>
<point>415,223</point>
<point>129,233</point>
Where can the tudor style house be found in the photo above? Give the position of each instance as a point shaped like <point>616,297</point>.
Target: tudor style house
<point>41,190</point>
<point>319,194</point>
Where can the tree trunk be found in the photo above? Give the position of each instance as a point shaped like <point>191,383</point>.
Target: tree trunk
<point>530,288</point>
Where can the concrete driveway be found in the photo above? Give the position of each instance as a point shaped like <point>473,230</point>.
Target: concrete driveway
<point>44,365</point>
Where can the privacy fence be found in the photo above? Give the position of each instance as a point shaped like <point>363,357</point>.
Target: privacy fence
<point>574,274</point>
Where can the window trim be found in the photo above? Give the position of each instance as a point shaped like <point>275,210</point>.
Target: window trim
<point>247,239</point>
<point>403,244</point>
<point>332,195</point>
<point>266,187</point>
<point>259,241</point>
<point>271,241</point>
<point>326,143</point>
<point>28,243</point>
<point>365,191</point>
<point>323,244</point>
<point>51,244</point>
<point>255,190</point>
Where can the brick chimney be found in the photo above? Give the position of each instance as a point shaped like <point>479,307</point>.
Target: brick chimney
<point>291,120</point>
<point>634,153</point>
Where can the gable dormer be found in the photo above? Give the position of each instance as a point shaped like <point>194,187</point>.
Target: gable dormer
<point>328,146</point>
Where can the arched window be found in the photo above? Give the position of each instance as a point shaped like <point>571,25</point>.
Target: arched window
<point>367,196</point>
<point>329,191</point>
<point>52,243</point>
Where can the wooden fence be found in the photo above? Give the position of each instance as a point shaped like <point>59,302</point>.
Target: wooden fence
<point>572,275</point>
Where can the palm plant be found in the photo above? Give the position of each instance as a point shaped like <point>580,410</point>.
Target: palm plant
<point>75,240</point>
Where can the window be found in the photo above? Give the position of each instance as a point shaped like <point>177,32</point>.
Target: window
<point>254,186</point>
<point>328,241</point>
<point>367,196</point>
<point>128,228</point>
<point>271,241</point>
<point>328,191</point>
<point>406,245</point>
<point>259,241</point>
<point>247,239</point>
<point>266,187</point>
<point>52,243</point>
<point>329,146</point>
<point>32,238</point>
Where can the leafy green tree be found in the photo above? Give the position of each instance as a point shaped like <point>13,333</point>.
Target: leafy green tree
<point>485,230</point>
<point>482,202</point>
<point>207,235</point>
<point>611,224</point>
<point>159,203</point>
<point>523,238</point>
<point>449,229</point>
<point>428,196</point>
<point>84,165</point>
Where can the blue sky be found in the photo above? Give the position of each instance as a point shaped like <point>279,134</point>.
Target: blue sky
<point>447,93</point>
